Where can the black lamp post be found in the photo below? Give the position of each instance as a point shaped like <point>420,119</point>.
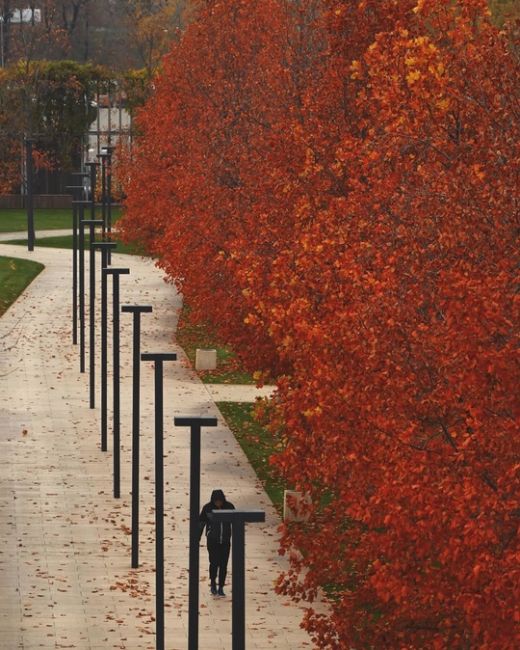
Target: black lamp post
<point>93,180</point>
<point>195,424</point>
<point>115,273</point>
<point>92,223</point>
<point>106,190</point>
<point>238,520</point>
<point>159,359</point>
<point>76,196</point>
<point>81,280</point>
<point>105,248</point>
<point>109,150</point>
<point>136,310</point>
<point>102,158</point>
<point>29,173</point>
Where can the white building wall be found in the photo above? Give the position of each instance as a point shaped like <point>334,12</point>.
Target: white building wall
<point>110,125</point>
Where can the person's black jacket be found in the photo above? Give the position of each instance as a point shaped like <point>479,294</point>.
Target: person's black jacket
<point>215,533</point>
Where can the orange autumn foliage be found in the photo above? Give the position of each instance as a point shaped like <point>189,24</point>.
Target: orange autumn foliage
<point>334,185</point>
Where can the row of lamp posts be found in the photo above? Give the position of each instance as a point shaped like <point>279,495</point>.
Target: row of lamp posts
<point>84,216</point>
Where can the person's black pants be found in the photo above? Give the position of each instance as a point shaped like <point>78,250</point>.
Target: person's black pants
<point>218,559</point>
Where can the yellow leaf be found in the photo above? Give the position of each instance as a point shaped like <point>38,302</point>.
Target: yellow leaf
<point>412,77</point>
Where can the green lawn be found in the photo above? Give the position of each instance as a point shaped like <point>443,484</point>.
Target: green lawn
<point>15,275</point>
<point>66,242</point>
<point>16,220</point>
<point>257,443</point>
<point>191,336</point>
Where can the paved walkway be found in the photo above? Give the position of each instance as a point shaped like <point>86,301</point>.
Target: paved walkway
<point>65,580</point>
<point>40,234</point>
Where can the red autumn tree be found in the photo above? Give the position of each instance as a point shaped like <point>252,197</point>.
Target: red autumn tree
<point>334,186</point>
<point>403,401</point>
<point>198,175</point>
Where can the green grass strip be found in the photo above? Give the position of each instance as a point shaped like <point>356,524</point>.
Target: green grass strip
<point>15,276</point>
<point>14,220</point>
<point>65,241</point>
<point>191,336</point>
<point>258,445</point>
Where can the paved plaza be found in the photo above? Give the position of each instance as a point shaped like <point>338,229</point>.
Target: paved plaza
<point>65,577</point>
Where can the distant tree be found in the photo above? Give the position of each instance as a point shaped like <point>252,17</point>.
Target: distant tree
<point>153,25</point>
<point>51,102</point>
<point>45,37</point>
<point>136,87</point>
<point>69,13</point>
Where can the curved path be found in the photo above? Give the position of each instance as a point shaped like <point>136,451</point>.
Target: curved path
<point>65,577</point>
<point>40,234</point>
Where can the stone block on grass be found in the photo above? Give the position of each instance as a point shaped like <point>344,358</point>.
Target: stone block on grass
<point>205,359</point>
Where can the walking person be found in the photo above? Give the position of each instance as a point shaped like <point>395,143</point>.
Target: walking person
<point>218,539</point>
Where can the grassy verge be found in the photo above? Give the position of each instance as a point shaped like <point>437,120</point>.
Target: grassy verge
<point>15,275</point>
<point>191,336</point>
<point>66,242</point>
<point>15,220</point>
<point>257,444</point>
<point>256,441</point>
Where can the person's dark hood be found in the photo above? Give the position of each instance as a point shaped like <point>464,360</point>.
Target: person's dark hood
<point>217,494</point>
